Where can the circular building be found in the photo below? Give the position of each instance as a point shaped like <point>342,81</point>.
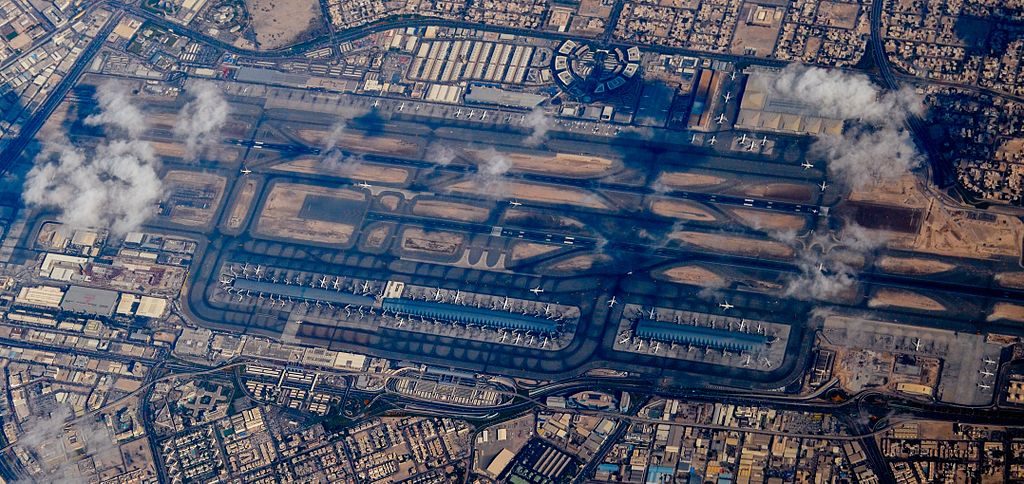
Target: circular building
<point>586,72</point>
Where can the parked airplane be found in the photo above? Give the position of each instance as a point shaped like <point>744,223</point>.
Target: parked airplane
<point>726,306</point>
<point>515,203</point>
<point>537,290</point>
<point>823,185</point>
<point>807,165</point>
<point>364,185</point>
<point>728,96</point>
<point>612,302</point>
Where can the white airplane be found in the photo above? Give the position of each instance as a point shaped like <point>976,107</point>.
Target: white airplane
<point>323,283</point>
<point>483,115</point>
<point>743,325</point>
<point>990,361</point>
<point>767,362</point>
<point>823,185</point>
<point>728,96</point>
<point>625,339</point>
<point>984,386</point>
<point>743,139</point>
<point>746,362</point>
<point>764,141</point>
<point>821,267</point>
<point>515,203</point>
<point>363,185</point>
<point>917,344</point>
<point>336,284</point>
<point>537,290</point>
<point>714,139</point>
<point>504,304</point>
<point>656,346</point>
<point>472,112</point>
<point>401,107</point>
<point>376,102</point>
<point>519,337</point>
<point>245,171</point>
<point>612,302</point>
<point>259,270</point>
<point>807,165</point>
<point>366,286</point>
<point>986,373</point>
<point>458,296</point>
<point>693,139</point>
<point>721,118</point>
<point>401,322</point>
<point>726,306</point>
<point>458,113</point>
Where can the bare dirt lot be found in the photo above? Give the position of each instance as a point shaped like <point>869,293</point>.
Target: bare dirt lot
<point>280,216</point>
<point>693,275</point>
<point>904,299</point>
<point>534,192</point>
<point>525,250</point>
<point>242,204</point>
<point>678,179</point>
<point>732,244</point>
<point>913,266</point>
<point>579,263</point>
<point>434,242</point>
<point>763,219</point>
<point>1007,311</point>
<point>428,207</point>
<point>1010,279</point>
<point>358,171</point>
<point>193,197</point>
<point>278,23</point>
<point>353,140</point>
<point>680,209</point>
<point>564,164</point>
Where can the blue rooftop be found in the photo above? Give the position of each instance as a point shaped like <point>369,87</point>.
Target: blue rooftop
<point>469,314</point>
<point>699,335</point>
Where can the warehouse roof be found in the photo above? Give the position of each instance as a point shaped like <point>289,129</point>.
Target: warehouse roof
<point>81,299</point>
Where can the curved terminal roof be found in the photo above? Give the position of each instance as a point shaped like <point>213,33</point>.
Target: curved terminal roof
<point>303,292</point>
<point>699,336</point>
<point>469,314</point>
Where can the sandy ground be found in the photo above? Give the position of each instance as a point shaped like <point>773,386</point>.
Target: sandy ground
<point>676,179</point>
<point>534,192</point>
<point>516,215</point>
<point>450,210</point>
<point>376,236</point>
<point>280,22</point>
<point>351,140</point>
<point>1012,312</point>
<point>777,191</point>
<point>1011,279</point>
<point>280,215</point>
<point>390,201</point>
<point>359,171</point>
<point>959,233</point>
<point>563,164</point>
<point>767,220</point>
<point>199,182</point>
<point>904,299</point>
<point>681,209</point>
<point>693,275</point>
<point>525,250</point>
<point>579,263</point>
<point>435,242</point>
<point>913,266</point>
<point>242,204</point>
<point>733,244</point>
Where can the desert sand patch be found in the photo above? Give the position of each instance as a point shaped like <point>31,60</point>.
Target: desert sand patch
<point>279,23</point>
<point>431,241</point>
<point>429,207</point>
<point>358,171</point>
<point>1010,279</point>
<point>280,215</point>
<point>242,204</point>
<point>525,250</point>
<point>735,244</point>
<point>1007,311</point>
<point>681,209</point>
<point>904,299</point>
<point>680,179</point>
<point>564,164</point>
<point>353,140</point>
<point>768,220</point>
<point>693,275</point>
<point>913,266</point>
<point>534,192</point>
